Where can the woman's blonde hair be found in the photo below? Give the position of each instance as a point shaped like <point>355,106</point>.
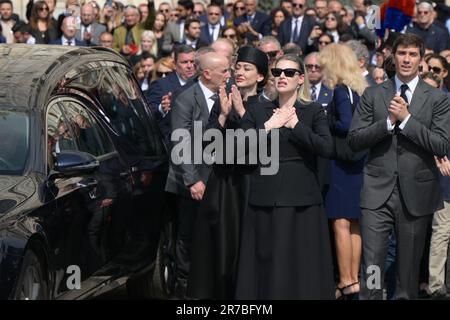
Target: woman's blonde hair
<point>303,94</point>
<point>340,66</point>
<point>151,35</point>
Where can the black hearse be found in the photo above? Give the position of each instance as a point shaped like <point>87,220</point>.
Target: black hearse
<point>82,174</point>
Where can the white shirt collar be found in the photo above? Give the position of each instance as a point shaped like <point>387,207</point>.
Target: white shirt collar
<point>299,19</point>
<point>208,94</point>
<point>411,85</point>
<point>182,82</point>
<point>65,40</point>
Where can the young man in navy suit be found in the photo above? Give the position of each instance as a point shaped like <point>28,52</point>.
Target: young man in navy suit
<point>212,29</point>
<point>297,28</point>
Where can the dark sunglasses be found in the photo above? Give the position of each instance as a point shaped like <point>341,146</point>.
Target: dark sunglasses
<point>313,66</point>
<point>330,18</point>
<point>43,9</point>
<point>297,5</point>
<point>435,69</point>
<point>272,54</point>
<point>164,10</point>
<point>198,12</point>
<point>162,74</point>
<point>289,72</point>
<point>240,8</point>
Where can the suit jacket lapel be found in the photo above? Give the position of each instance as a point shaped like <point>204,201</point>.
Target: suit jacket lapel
<point>201,101</point>
<point>288,30</point>
<point>389,86</point>
<point>303,35</point>
<point>418,98</point>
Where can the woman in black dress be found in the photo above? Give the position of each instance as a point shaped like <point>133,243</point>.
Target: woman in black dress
<point>216,240</point>
<point>285,250</point>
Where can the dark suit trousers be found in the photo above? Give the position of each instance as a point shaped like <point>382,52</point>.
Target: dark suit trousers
<point>410,233</point>
<point>186,216</point>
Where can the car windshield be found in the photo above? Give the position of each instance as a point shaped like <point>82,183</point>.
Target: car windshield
<point>14,127</point>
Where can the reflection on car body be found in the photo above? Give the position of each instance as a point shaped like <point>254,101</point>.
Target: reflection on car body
<point>78,145</point>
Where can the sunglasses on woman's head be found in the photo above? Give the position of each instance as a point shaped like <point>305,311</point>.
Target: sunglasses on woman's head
<point>288,72</point>
<point>162,74</point>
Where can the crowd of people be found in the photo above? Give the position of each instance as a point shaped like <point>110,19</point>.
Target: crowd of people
<point>362,124</point>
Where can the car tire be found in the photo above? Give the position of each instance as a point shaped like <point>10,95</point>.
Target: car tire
<point>159,282</point>
<point>32,283</point>
<point>164,275</point>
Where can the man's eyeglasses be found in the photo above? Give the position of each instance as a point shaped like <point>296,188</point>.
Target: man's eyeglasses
<point>297,5</point>
<point>289,72</point>
<point>423,12</point>
<point>199,13</point>
<point>435,69</point>
<point>311,67</point>
<point>162,74</point>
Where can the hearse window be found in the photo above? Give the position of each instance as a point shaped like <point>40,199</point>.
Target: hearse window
<point>121,96</point>
<point>14,133</point>
<point>124,105</point>
<point>89,135</point>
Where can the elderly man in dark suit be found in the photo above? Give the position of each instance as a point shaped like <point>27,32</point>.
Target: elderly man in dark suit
<point>68,28</point>
<point>90,30</point>
<point>161,91</point>
<point>298,27</point>
<point>404,123</point>
<point>188,179</point>
<point>254,24</point>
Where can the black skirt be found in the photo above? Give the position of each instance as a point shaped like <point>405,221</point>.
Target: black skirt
<point>215,245</point>
<point>285,254</point>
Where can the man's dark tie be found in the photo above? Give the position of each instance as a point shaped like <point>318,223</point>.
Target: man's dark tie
<point>313,93</point>
<point>295,36</point>
<point>69,42</point>
<point>211,35</point>
<point>214,97</point>
<point>403,88</point>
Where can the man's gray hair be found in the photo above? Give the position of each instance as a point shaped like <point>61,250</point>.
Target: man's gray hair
<point>360,50</point>
<point>269,39</point>
<point>425,5</point>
